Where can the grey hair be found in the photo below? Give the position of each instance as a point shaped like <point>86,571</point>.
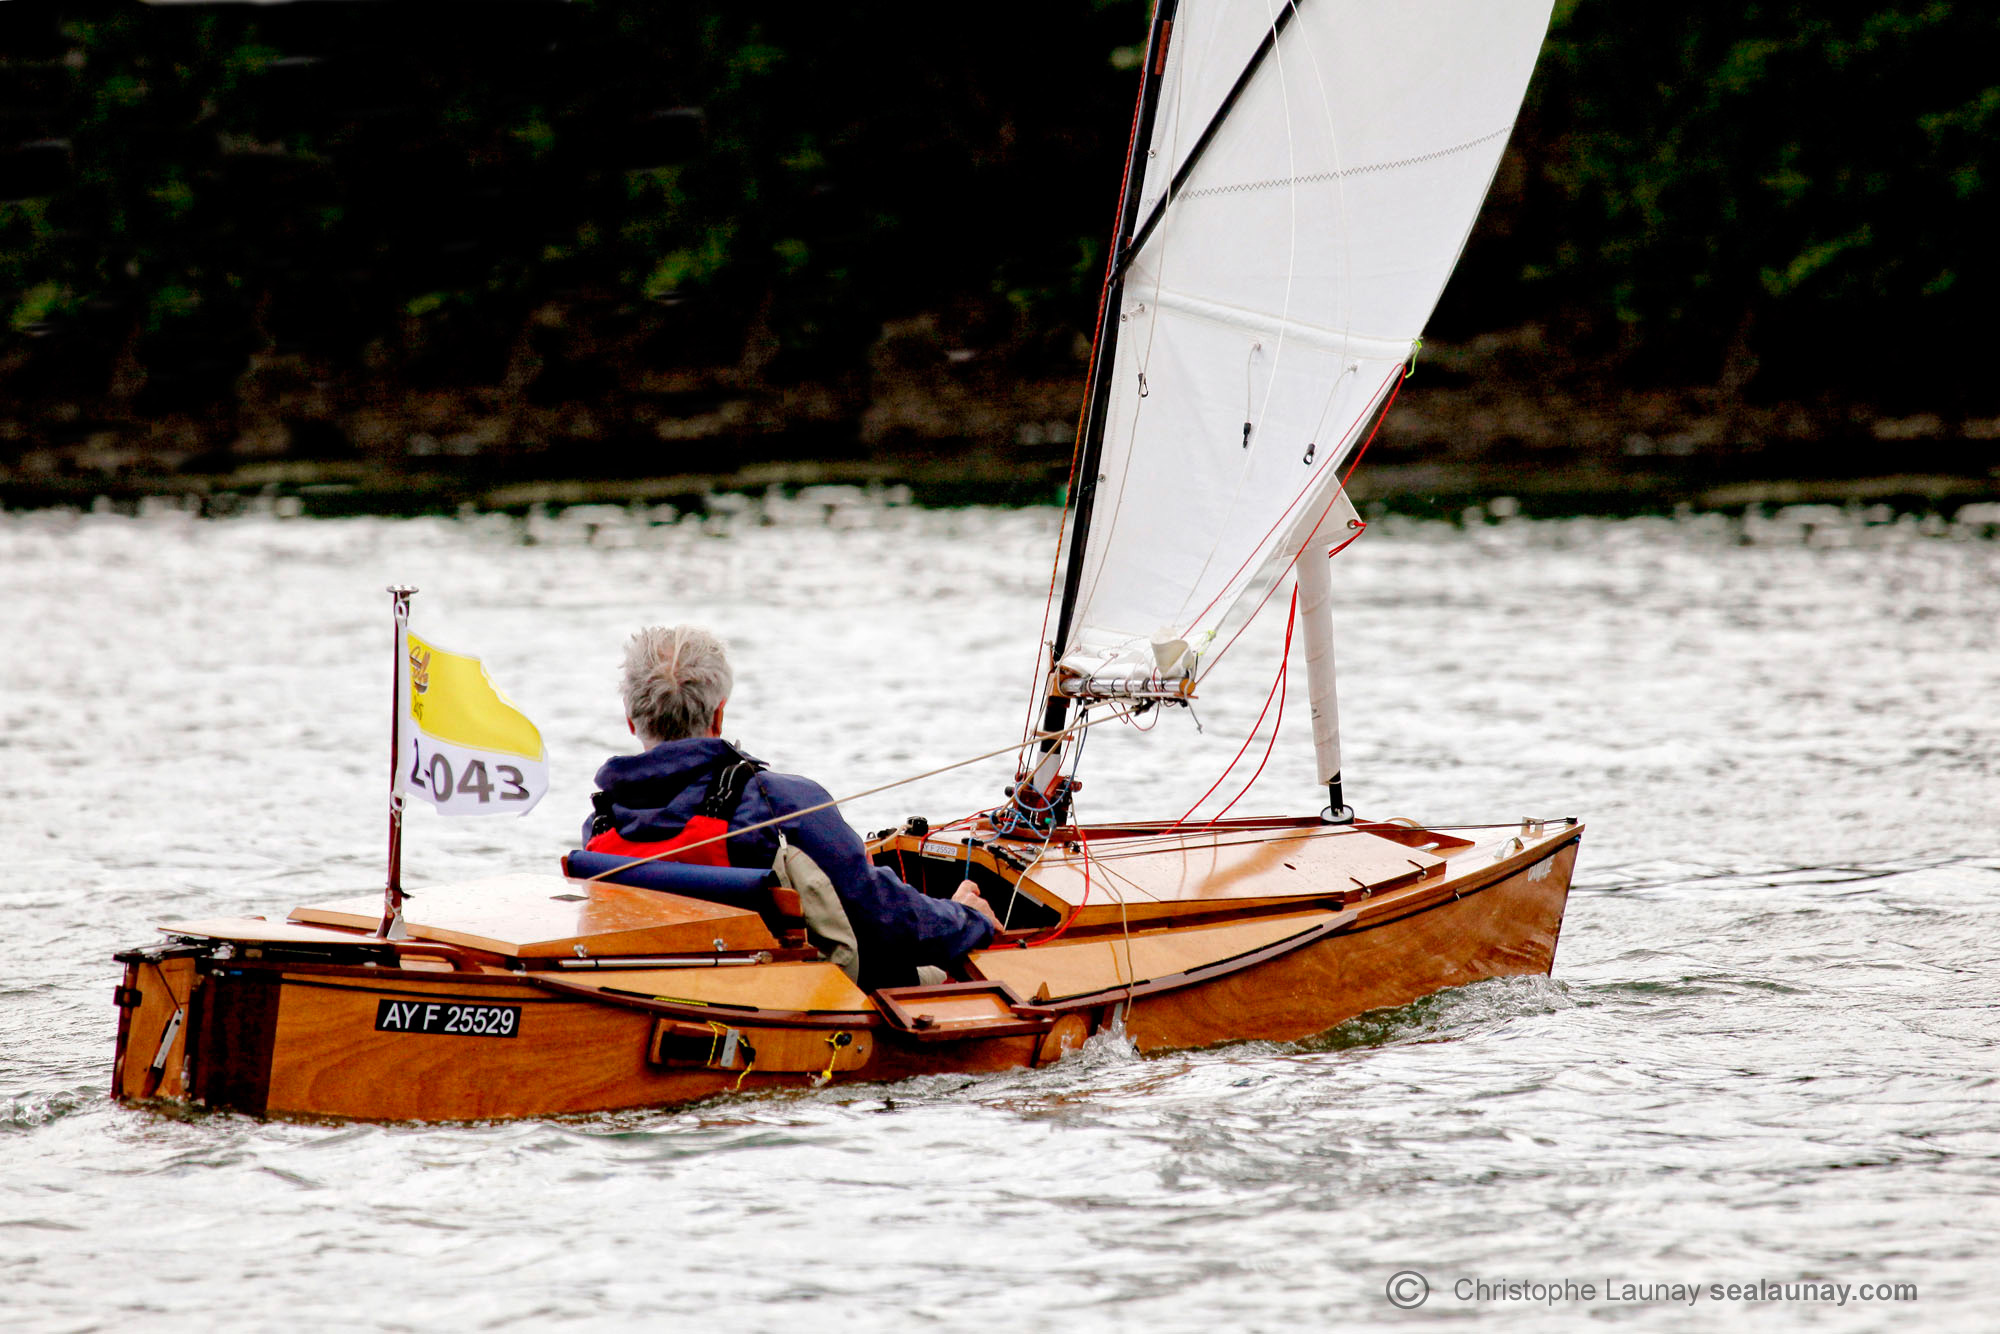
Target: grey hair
<point>675,678</point>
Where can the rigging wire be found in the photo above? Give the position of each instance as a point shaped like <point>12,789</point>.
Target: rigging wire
<point>1284,677</point>
<point>1149,843</point>
<point>1276,689</point>
<point>1106,522</point>
<point>1073,729</point>
<point>1083,408</point>
<point>1083,843</point>
<point>1108,525</point>
<point>1344,315</point>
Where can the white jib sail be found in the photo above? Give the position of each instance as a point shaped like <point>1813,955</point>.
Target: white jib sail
<point>1283,287</point>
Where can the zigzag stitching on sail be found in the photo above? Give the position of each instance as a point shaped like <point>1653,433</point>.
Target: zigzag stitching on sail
<point>1320,177</point>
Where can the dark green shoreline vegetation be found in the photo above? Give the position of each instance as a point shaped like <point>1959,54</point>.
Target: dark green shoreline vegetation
<point>407,259</point>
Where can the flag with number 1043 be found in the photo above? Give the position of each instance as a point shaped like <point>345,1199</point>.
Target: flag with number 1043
<point>465,748</point>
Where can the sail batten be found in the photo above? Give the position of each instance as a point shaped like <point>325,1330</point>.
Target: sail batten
<point>1323,177</point>
<point>1363,346</point>
<point>1307,174</point>
<point>1207,135</point>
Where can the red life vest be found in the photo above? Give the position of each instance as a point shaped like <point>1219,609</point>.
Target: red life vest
<point>698,830</point>
<point>707,828</point>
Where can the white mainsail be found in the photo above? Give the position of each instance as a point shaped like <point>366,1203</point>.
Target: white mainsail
<point>1313,170</point>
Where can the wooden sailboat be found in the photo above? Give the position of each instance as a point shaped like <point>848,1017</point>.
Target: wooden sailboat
<point>1301,179</point>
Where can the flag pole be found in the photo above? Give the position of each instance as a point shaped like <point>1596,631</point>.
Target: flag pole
<point>392,890</point>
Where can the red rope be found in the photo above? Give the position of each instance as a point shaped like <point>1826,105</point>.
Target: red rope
<point>1284,675</point>
<point>1276,688</point>
<point>1083,843</point>
<point>1360,527</point>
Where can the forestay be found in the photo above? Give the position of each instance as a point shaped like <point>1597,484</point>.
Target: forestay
<point>1275,290</point>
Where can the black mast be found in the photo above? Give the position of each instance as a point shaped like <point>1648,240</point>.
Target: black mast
<point>1098,388</point>
<point>1207,136</point>
<point>1130,236</point>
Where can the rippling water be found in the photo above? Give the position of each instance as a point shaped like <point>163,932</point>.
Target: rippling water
<point>1768,1051</point>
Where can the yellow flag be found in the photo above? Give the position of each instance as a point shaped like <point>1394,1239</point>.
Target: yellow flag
<point>468,750</point>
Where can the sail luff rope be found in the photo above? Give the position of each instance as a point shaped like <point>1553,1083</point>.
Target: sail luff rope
<point>1058,736</point>
<point>1105,356</point>
<point>1292,236</point>
<point>1107,526</point>
<point>1083,416</point>
<point>1278,24</point>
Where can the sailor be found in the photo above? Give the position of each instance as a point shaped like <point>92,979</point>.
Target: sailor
<point>689,781</point>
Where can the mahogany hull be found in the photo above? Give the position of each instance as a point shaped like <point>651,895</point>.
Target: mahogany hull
<point>272,1038</point>
<point>1506,930</point>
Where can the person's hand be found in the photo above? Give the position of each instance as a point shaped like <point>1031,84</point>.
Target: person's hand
<point>968,894</point>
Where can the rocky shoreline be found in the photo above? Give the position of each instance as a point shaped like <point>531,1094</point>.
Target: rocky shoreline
<point>954,426</point>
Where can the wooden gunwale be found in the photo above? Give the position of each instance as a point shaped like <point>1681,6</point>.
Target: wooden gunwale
<point>1308,826</point>
<point>491,964</point>
<point>1118,916</point>
<point>694,963</point>
<point>1015,856</point>
<point>440,997</point>
<point>370,974</point>
<point>1413,899</point>
<point>463,958</point>
<point>702,1011</point>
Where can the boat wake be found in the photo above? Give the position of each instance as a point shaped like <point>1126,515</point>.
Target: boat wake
<point>1446,1015</point>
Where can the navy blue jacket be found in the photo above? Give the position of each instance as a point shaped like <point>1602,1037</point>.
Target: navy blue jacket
<point>653,795</point>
